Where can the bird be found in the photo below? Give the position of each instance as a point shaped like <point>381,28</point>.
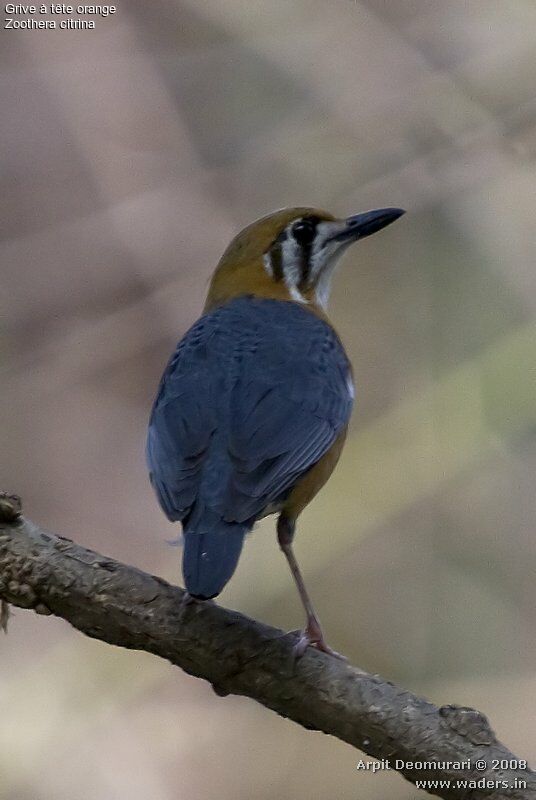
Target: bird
<point>252,410</point>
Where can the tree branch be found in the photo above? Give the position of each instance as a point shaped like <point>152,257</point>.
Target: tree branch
<point>128,608</point>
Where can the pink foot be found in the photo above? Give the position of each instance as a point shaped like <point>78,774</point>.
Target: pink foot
<point>312,635</point>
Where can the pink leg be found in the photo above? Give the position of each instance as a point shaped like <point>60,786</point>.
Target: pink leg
<point>312,633</point>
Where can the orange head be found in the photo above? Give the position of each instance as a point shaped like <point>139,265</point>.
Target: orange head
<point>290,255</point>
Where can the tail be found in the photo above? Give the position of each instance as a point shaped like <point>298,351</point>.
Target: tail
<point>211,553</point>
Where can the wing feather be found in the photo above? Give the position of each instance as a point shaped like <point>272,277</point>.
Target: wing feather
<point>255,395</point>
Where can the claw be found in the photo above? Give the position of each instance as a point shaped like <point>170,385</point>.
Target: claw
<point>312,635</point>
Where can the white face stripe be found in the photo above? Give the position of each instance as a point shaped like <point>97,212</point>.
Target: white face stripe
<point>322,259</point>
<point>325,256</point>
<point>296,295</point>
<point>291,254</point>
<point>267,261</point>
<point>327,270</point>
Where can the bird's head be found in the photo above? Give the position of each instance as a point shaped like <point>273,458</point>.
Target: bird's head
<point>291,254</point>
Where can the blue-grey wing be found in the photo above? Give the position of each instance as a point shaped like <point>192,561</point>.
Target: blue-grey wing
<point>256,393</point>
<point>182,423</point>
<point>292,399</point>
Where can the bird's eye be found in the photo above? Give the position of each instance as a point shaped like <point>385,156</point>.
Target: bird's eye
<point>304,231</point>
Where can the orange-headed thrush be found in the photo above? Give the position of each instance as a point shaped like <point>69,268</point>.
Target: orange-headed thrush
<point>252,410</point>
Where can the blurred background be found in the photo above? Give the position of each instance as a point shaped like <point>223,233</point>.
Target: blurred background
<point>131,154</point>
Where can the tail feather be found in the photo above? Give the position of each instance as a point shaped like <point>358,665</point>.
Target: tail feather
<point>210,555</point>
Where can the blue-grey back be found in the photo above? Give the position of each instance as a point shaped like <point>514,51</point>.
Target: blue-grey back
<point>254,395</point>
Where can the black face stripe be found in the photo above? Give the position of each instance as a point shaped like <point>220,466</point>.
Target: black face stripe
<point>305,267</point>
<point>276,256</point>
<point>304,232</point>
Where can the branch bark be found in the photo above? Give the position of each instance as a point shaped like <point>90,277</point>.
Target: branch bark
<point>121,605</point>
